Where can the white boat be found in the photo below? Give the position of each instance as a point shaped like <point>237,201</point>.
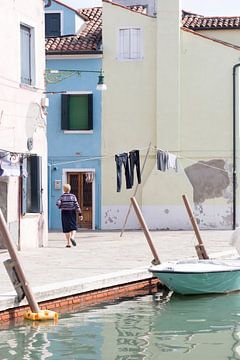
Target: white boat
<point>195,276</point>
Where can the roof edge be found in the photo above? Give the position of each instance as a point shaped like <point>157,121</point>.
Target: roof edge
<point>126,8</point>
<point>224,43</point>
<point>78,52</point>
<point>68,7</point>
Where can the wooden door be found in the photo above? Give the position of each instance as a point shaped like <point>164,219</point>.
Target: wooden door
<point>83,191</point>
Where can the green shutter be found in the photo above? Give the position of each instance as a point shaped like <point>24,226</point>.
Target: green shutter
<point>78,112</point>
<point>64,112</point>
<point>24,187</point>
<point>90,111</point>
<point>36,183</point>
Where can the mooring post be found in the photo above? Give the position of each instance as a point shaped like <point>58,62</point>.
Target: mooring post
<point>200,249</point>
<point>19,270</point>
<point>145,230</point>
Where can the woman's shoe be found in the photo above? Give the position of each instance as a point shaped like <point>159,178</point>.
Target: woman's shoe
<point>73,242</point>
<point>68,245</point>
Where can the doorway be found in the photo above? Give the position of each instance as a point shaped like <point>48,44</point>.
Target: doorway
<point>82,186</point>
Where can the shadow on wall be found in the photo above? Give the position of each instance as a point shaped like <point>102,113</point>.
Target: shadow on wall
<point>209,179</point>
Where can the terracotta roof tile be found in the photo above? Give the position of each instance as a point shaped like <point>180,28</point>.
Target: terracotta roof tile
<point>138,8</point>
<point>88,40</point>
<point>199,22</point>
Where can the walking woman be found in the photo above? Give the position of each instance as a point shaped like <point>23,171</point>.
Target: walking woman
<point>69,206</point>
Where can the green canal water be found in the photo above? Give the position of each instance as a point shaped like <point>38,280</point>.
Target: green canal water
<point>149,327</point>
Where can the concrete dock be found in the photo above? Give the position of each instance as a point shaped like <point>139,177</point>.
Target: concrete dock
<point>102,259</point>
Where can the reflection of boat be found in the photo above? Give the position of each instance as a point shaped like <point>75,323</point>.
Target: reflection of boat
<point>197,314</point>
<point>199,276</point>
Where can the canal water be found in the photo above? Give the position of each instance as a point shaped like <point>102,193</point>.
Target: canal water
<point>149,327</point>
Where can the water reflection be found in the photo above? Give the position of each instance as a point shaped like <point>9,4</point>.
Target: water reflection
<point>142,329</point>
<point>28,341</point>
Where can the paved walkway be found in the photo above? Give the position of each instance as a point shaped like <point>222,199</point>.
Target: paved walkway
<point>101,259</point>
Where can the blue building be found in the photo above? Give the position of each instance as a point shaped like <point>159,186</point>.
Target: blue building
<point>73,66</point>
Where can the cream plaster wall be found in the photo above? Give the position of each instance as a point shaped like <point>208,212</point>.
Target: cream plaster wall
<point>204,134</point>
<point>230,36</point>
<point>206,96</point>
<point>168,74</point>
<point>21,115</point>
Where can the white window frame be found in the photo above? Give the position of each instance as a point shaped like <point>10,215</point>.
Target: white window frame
<point>32,56</point>
<point>70,132</point>
<point>129,44</point>
<point>61,18</point>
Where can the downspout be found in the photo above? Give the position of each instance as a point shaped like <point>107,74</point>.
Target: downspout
<point>49,196</point>
<point>234,144</point>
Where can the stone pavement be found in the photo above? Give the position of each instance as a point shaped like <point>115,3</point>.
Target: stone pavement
<point>102,259</point>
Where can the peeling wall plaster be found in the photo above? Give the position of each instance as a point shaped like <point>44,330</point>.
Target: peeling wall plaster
<point>209,179</point>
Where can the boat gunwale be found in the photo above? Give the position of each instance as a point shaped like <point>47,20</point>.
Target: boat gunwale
<point>193,272</point>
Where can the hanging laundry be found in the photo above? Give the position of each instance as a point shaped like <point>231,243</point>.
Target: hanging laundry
<point>122,159</point>
<point>8,168</point>
<point>134,160</point>
<point>162,160</point>
<point>173,162</point>
<point>166,161</point>
<point>1,170</point>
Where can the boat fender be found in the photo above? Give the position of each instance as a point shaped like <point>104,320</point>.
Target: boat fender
<point>41,315</point>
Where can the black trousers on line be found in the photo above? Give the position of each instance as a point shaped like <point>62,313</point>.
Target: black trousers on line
<point>122,159</point>
<point>134,160</point>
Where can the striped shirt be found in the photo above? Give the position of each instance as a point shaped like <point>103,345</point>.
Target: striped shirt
<point>68,201</point>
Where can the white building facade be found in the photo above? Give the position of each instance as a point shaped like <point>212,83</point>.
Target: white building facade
<point>23,145</point>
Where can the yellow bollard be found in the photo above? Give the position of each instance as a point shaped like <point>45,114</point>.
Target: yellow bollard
<point>40,315</point>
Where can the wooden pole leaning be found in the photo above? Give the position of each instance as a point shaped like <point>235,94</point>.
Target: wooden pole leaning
<point>14,257</point>
<point>136,189</point>
<point>200,249</point>
<point>156,260</point>
<point>19,276</point>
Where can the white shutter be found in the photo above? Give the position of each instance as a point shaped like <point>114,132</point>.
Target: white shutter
<point>124,43</point>
<point>135,43</point>
<point>25,55</point>
<point>130,44</point>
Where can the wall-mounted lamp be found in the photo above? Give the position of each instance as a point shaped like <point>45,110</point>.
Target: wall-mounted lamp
<point>100,85</point>
<point>55,76</point>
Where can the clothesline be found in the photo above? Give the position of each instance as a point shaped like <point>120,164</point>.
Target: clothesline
<point>193,160</point>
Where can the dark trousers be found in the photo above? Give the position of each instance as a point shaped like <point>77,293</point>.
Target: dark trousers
<point>135,161</point>
<point>122,159</point>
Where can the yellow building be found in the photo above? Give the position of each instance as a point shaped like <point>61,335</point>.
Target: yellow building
<point>169,87</point>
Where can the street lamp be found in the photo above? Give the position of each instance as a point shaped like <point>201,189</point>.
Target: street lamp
<point>55,76</point>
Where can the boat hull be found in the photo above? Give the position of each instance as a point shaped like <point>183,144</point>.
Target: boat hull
<point>195,279</point>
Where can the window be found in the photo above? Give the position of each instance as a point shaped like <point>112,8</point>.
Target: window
<point>77,112</point>
<point>130,44</point>
<point>26,44</point>
<point>52,24</point>
<point>32,185</point>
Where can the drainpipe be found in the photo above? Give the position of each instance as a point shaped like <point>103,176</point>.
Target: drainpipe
<point>49,195</point>
<point>234,144</point>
